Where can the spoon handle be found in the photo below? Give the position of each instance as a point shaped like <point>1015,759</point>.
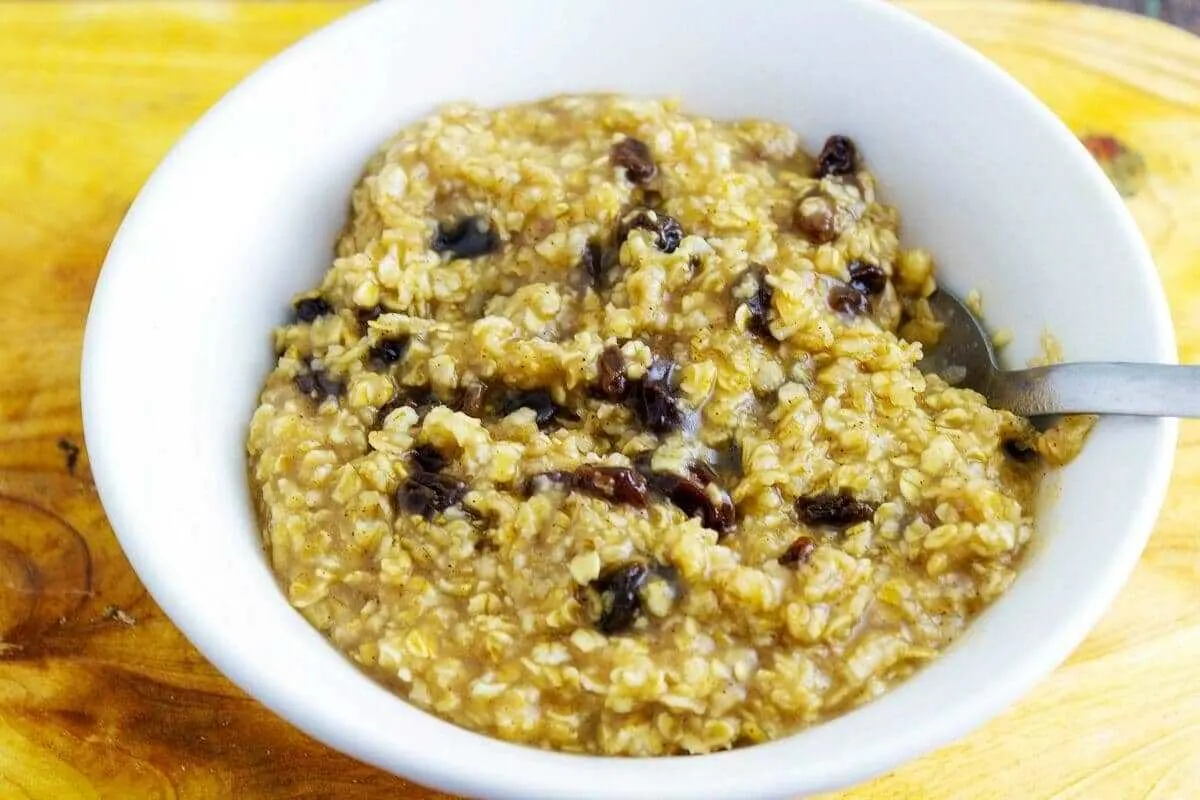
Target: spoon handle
<point>1151,390</point>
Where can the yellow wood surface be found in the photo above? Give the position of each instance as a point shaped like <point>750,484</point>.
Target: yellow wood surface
<point>101,697</point>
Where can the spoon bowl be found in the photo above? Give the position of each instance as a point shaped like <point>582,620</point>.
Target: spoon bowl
<point>964,356</point>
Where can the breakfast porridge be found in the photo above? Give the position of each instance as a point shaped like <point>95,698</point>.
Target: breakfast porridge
<point>604,433</point>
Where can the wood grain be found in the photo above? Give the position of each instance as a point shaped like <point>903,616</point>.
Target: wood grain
<point>100,696</point>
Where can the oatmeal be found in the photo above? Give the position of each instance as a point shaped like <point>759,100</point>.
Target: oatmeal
<point>604,433</point>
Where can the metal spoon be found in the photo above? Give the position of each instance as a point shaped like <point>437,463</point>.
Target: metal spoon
<point>964,357</point>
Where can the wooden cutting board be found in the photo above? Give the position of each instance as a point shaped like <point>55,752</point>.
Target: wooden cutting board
<point>100,696</point>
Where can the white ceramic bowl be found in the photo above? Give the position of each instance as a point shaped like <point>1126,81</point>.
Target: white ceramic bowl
<point>243,213</point>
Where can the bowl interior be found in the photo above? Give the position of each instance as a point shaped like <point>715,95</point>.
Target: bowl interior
<point>244,211</point>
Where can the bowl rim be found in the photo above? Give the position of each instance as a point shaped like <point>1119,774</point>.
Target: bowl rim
<point>539,773</point>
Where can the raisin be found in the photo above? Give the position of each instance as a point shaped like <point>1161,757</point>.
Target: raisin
<point>759,305</point>
<point>839,156</point>
<point>654,400</point>
<point>317,384</point>
<point>327,386</point>
<point>427,493</point>
<point>816,220</point>
<point>616,484</point>
<point>848,300</point>
<point>1020,451</point>
<point>635,157</point>
<point>618,592</point>
<point>388,351</point>
<point>306,383</point>
<point>543,405</point>
<point>368,315</point>
<point>798,552</point>
<point>690,495</point>
<point>428,458</point>
<point>309,308</point>
<point>838,510</point>
<point>867,278</point>
<point>667,231</point>
<point>591,264</point>
<point>611,381</point>
<point>468,237</point>
<point>473,399</point>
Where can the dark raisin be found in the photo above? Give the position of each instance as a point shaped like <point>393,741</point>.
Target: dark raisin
<point>839,510</point>
<point>848,300</point>
<point>618,592</point>
<point>759,305</point>
<point>867,278</point>
<point>543,405</point>
<point>468,237</point>
<point>327,386</point>
<point>667,232</point>
<point>592,266</point>
<point>1020,451</point>
<point>798,552</point>
<point>611,381</point>
<point>616,484</point>
<point>658,409</point>
<point>654,400</point>
<point>839,156</point>
<point>306,383</point>
<point>427,493</point>
<point>815,219</point>
<point>473,399</point>
<point>690,495</point>
<point>367,315</point>
<point>309,308</point>
<point>428,458</point>
<point>388,351</point>
<point>317,384</point>
<point>635,157</point>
